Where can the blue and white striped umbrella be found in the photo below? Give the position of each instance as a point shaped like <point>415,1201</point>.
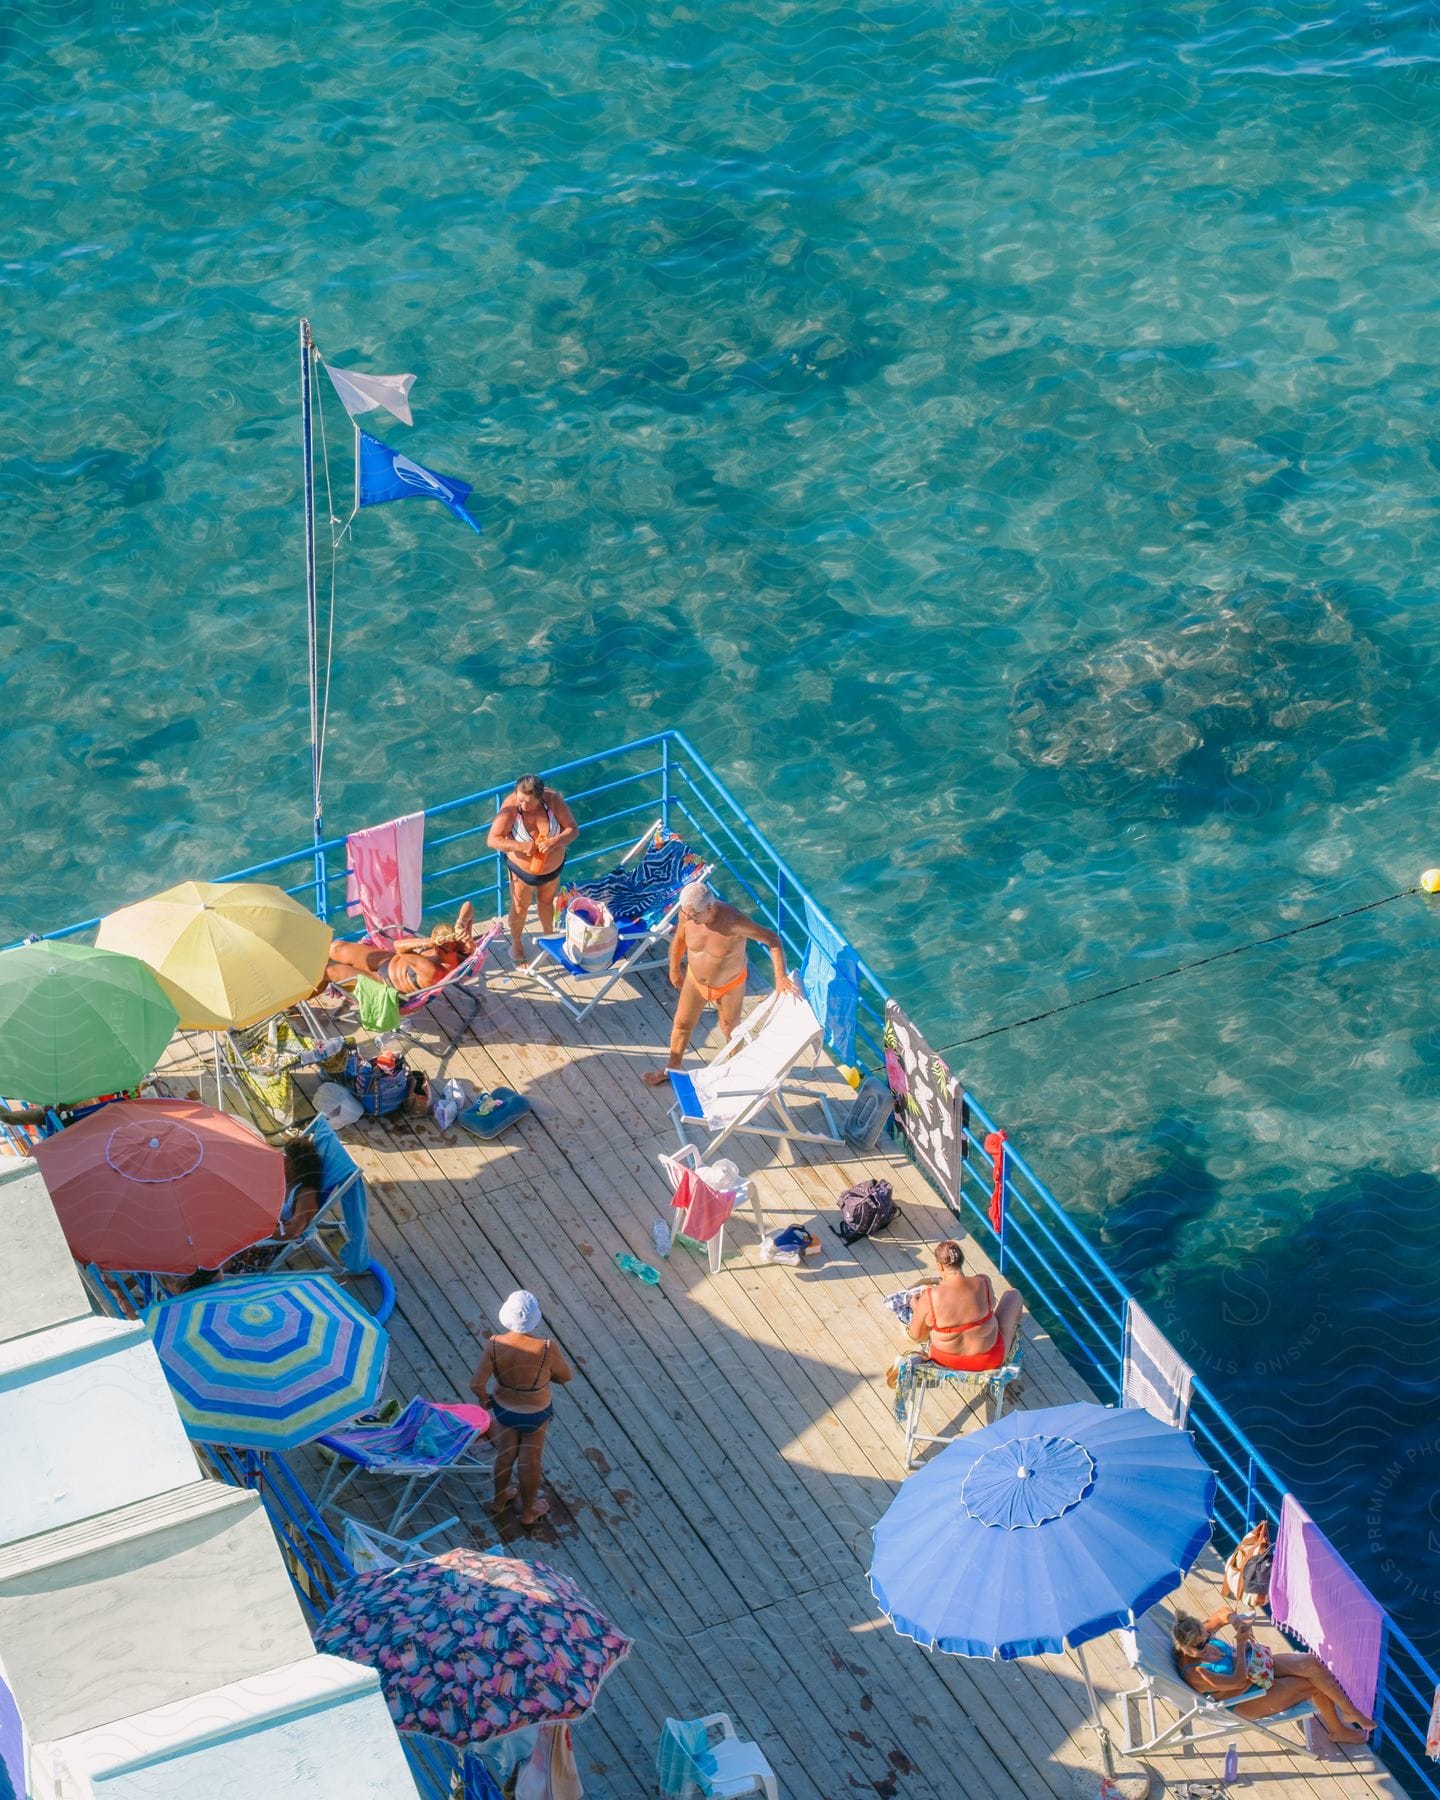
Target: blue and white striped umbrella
<point>269,1362</point>
<point>1049,1528</point>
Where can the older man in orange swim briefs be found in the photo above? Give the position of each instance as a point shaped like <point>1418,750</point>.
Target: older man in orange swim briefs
<point>710,939</point>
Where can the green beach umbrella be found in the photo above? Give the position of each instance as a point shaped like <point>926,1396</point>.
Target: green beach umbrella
<point>76,1021</point>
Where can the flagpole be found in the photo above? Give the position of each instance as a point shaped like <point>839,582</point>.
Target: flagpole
<point>312,613</point>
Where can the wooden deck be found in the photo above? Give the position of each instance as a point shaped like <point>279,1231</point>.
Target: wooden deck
<point>717,1465</point>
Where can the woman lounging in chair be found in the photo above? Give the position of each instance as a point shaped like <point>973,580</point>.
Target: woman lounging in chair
<point>304,1178</point>
<point>411,963</point>
<point>958,1320</point>
<point>1276,1680</point>
<point>303,1192</point>
<point>533,831</point>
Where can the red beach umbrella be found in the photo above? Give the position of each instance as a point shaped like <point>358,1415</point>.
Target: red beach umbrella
<point>164,1185</point>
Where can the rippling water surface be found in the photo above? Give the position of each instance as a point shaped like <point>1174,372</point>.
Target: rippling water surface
<point>1002,437</point>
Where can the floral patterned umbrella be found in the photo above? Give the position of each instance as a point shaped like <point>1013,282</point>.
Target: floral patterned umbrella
<point>471,1647</point>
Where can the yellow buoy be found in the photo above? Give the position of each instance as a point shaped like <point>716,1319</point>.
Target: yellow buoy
<point>1430,881</point>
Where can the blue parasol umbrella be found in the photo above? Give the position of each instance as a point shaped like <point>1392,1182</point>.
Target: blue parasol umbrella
<point>268,1362</point>
<point>1049,1528</point>
<point>1041,1532</point>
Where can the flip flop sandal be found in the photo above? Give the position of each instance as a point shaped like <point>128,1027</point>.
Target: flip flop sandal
<point>632,1265</point>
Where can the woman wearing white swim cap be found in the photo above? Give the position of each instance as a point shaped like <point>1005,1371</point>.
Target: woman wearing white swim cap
<point>513,1380</point>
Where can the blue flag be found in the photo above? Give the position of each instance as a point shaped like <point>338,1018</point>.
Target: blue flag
<point>385,474</point>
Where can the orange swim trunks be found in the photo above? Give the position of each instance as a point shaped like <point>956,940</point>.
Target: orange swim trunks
<point>711,994</point>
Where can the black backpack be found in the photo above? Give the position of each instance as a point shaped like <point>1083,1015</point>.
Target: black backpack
<point>1255,1576</point>
<point>866,1207</point>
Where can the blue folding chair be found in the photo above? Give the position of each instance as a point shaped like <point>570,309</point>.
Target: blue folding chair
<point>427,1442</point>
<point>643,894</point>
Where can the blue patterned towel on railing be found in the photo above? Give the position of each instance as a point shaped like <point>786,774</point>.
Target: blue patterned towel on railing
<point>646,889</point>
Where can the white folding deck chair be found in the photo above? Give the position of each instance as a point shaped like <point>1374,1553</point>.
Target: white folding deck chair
<point>638,938</point>
<point>752,1074</point>
<point>371,1551</point>
<point>1149,1648</point>
<point>688,1157</point>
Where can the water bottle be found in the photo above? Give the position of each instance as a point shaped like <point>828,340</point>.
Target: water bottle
<point>660,1233</point>
<point>1232,1763</point>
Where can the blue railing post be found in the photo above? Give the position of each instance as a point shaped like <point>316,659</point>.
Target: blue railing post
<point>780,901</point>
<point>322,884</point>
<point>1004,1222</point>
<point>665,782</point>
<point>1380,1686</point>
<point>1250,1493</point>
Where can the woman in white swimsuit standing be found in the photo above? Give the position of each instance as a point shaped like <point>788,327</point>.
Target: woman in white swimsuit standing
<point>533,831</point>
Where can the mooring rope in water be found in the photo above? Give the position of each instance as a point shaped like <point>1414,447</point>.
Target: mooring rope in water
<point>1184,968</point>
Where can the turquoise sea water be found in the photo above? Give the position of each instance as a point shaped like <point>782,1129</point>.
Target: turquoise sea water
<point>1002,438</point>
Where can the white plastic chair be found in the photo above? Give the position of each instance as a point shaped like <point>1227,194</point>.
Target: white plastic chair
<point>977,1386</point>
<point>732,1766</point>
<point>752,1074</point>
<point>689,1158</point>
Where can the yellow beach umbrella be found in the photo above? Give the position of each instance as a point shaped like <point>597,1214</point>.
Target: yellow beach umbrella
<point>228,953</point>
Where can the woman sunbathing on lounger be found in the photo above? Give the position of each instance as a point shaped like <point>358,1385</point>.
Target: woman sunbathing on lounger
<point>413,962</point>
<point>1276,1680</point>
<point>958,1320</point>
<point>533,831</point>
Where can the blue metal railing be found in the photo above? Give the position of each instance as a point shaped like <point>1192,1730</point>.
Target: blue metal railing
<point>1066,1282</point>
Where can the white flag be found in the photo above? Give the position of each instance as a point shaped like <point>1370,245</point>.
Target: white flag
<point>363,393</point>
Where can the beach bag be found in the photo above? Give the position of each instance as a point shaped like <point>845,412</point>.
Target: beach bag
<point>1255,1581</point>
<point>870,1112</point>
<point>866,1207</point>
<point>1247,1568</point>
<point>591,934</point>
<point>380,1090</point>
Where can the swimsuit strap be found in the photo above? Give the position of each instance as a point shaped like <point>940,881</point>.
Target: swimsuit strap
<point>521,831</point>
<point>539,1380</point>
<point>1224,1663</point>
<point>974,1324</point>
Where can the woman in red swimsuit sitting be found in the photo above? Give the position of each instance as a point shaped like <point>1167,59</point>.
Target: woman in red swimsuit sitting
<point>958,1316</point>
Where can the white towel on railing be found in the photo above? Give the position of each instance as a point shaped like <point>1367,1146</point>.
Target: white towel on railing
<point>1153,1375</point>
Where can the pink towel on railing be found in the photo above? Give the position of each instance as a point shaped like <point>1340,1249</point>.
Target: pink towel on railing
<point>708,1210</point>
<point>1315,1594</point>
<point>383,879</point>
